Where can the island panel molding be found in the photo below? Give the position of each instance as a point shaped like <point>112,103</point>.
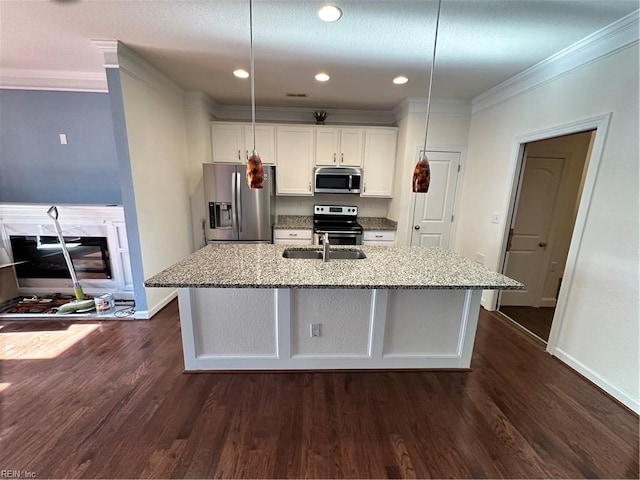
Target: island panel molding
<point>344,316</point>
<point>442,338</point>
<point>244,322</point>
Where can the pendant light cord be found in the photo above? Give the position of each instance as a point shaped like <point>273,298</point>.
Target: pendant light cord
<point>253,87</point>
<point>433,63</point>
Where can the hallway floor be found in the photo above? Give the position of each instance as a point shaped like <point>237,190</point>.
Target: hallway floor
<point>536,320</point>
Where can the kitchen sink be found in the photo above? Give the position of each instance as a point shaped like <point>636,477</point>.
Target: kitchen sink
<point>347,255</point>
<point>308,254</point>
<point>317,254</point>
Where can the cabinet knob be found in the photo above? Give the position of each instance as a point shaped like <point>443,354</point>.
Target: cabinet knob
<point>542,244</point>
<point>334,158</point>
<point>239,155</point>
<point>309,186</point>
<point>417,227</point>
<point>293,234</point>
<point>342,158</point>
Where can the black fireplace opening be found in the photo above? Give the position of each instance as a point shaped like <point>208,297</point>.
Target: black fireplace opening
<point>43,258</point>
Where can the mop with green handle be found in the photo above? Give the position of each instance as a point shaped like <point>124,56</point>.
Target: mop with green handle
<point>79,303</point>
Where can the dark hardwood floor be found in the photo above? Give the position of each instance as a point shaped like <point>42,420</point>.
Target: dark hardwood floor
<point>536,320</point>
<point>89,400</point>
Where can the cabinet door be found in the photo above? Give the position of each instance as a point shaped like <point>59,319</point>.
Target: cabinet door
<point>379,162</point>
<point>294,157</point>
<point>351,146</point>
<point>227,142</point>
<point>265,143</point>
<point>327,145</point>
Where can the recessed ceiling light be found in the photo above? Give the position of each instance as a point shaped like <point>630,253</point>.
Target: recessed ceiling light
<point>322,77</point>
<point>240,73</point>
<point>400,80</point>
<point>329,13</point>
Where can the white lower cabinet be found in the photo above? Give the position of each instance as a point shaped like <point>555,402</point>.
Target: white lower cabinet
<point>292,237</point>
<point>380,238</point>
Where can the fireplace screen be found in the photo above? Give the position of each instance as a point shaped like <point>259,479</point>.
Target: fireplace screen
<point>43,257</point>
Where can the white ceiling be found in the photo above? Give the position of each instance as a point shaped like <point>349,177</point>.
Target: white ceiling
<point>199,43</point>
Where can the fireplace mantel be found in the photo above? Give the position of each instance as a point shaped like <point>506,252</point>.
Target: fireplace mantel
<point>75,220</point>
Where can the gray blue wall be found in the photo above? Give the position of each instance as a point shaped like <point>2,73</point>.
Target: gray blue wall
<point>36,168</point>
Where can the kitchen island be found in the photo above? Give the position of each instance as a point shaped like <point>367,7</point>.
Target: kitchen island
<point>245,307</point>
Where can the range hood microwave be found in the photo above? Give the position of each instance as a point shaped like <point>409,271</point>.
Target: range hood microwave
<point>338,180</point>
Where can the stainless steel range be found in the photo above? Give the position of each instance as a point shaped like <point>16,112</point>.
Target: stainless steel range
<point>340,222</point>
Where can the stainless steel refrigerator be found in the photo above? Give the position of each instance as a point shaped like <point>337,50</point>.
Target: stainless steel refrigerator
<point>235,212</point>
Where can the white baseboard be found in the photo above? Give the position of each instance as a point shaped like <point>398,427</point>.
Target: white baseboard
<point>592,376</point>
<point>548,302</point>
<point>147,314</point>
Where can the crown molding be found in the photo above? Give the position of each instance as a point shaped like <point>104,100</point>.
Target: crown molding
<point>137,67</point>
<point>304,115</point>
<point>193,99</point>
<point>438,107</point>
<point>603,43</point>
<point>55,80</point>
<point>109,49</point>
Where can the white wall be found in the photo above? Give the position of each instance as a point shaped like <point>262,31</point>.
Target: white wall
<point>198,119</point>
<point>367,207</point>
<point>448,130</point>
<point>599,328</point>
<point>156,133</point>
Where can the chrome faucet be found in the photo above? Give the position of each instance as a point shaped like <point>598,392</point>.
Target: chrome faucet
<point>325,247</point>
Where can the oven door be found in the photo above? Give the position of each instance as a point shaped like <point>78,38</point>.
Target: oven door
<point>338,238</point>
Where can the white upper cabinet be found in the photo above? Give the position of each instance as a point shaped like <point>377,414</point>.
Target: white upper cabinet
<point>379,161</point>
<point>232,142</point>
<point>265,142</point>
<point>339,146</point>
<point>294,153</point>
<point>227,140</point>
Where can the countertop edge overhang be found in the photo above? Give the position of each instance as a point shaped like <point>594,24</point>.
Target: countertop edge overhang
<point>262,266</point>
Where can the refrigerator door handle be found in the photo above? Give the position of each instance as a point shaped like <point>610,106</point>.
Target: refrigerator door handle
<point>238,201</point>
<point>234,203</point>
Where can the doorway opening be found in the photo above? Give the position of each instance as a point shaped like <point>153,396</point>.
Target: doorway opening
<point>550,183</point>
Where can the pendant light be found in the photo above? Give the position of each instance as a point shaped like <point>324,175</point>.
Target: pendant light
<point>255,170</point>
<point>422,171</point>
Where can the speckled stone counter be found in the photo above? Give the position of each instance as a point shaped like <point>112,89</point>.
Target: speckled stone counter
<point>262,266</point>
<point>377,223</point>
<point>245,307</point>
<point>293,222</point>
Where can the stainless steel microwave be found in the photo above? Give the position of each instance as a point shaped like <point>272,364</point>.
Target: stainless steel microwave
<point>338,180</point>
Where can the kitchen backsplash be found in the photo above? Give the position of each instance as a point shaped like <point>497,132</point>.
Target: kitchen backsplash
<point>367,207</point>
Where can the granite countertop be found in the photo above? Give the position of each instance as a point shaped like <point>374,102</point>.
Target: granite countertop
<point>262,266</point>
<point>294,222</point>
<point>377,223</point>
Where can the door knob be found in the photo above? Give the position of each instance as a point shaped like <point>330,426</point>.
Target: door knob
<point>417,227</point>
<point>542,244</point>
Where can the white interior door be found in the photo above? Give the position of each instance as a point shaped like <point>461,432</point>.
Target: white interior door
<point>526,251</point>
<point>433,212</point>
